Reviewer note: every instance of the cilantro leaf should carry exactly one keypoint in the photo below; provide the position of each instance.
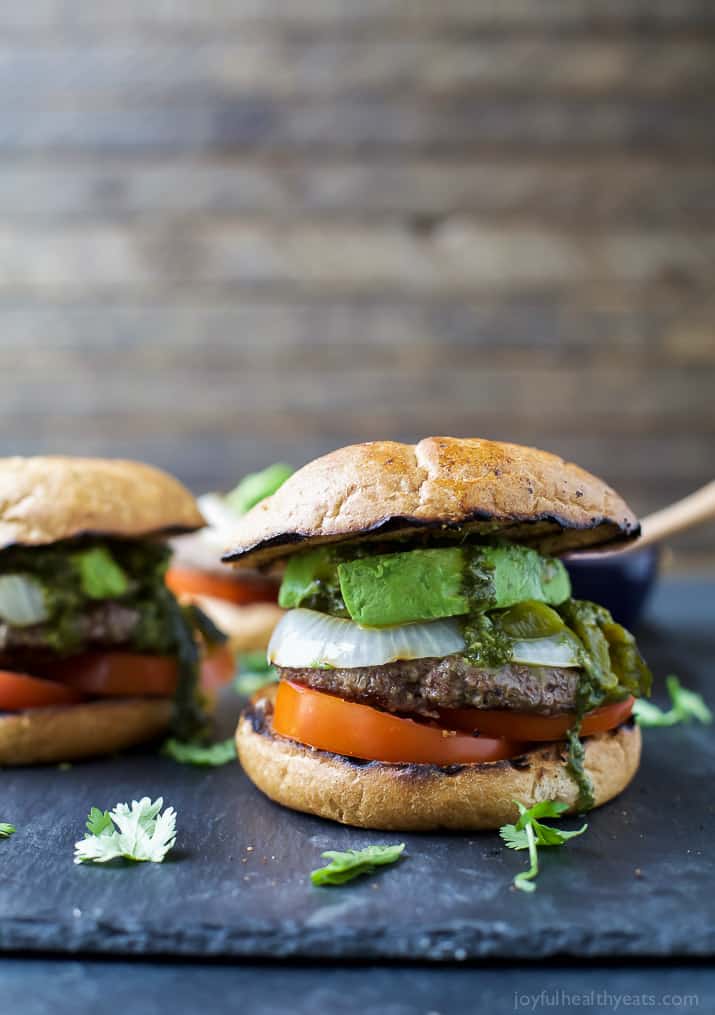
(530, 833)
(515, 838)
(140, 832)
(685, 706)
(354, 862)
(544, 809)
(99, 821)
(650, 715)
(191, 753)
(6, 830)
(548, 836)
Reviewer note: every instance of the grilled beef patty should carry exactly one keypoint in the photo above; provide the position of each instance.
(425, 685)
(108, 624)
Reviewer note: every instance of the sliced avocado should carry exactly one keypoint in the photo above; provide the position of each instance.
(311, 579)
(521, 574)
(396, 588)
(399, 588)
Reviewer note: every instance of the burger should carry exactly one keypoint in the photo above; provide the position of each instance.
(433, 665)
(96, 654)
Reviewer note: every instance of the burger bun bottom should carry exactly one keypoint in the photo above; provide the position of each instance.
(72, 732)
(419, 797)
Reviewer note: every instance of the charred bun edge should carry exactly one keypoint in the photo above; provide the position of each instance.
(604, 530)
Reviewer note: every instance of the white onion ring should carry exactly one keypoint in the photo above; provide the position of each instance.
(307, 639)
(22, 601)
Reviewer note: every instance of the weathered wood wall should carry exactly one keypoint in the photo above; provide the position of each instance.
(239, 230)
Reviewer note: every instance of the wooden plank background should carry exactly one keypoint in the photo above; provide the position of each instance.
(239, 230)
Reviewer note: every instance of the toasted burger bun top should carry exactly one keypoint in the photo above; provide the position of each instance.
(45, 499)
(385, 489)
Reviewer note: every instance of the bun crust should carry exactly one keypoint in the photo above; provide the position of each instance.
(51, 735)
(386, 489)
(425, 797)
(45, 499)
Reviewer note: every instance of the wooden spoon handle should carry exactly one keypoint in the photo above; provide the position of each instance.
(692, 510)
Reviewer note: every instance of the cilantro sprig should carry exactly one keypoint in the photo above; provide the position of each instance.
(529, 833)
(188, 752)
(354, 862)
(6, 830)
(140, 832)
(685, 706)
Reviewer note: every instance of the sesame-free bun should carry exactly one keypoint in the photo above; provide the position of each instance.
(72, 732)
(45, 499)
(412, 797)
(385, 490)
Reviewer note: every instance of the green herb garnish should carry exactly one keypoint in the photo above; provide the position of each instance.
(98, 821)
(6, 830)
(353, 863)
(685, 706)
(529, 833)
(192, 753)
(140, 832)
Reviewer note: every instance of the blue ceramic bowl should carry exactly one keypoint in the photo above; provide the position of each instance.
(621, 583)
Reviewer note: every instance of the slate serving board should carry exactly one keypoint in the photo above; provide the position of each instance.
(639, 883)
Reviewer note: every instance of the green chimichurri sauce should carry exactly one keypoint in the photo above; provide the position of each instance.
(611, 668)
(137, 568)
(478, 577)
(485, 642)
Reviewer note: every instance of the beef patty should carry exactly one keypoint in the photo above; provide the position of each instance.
(109, 624)
(425, 685)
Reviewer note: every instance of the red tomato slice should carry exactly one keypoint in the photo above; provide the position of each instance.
(119, 674)
(344, 727)
(186, 581)
(217, 668)
(19, 691)
(522, 726)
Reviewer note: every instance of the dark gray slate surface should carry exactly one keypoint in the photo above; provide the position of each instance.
(449, 899)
